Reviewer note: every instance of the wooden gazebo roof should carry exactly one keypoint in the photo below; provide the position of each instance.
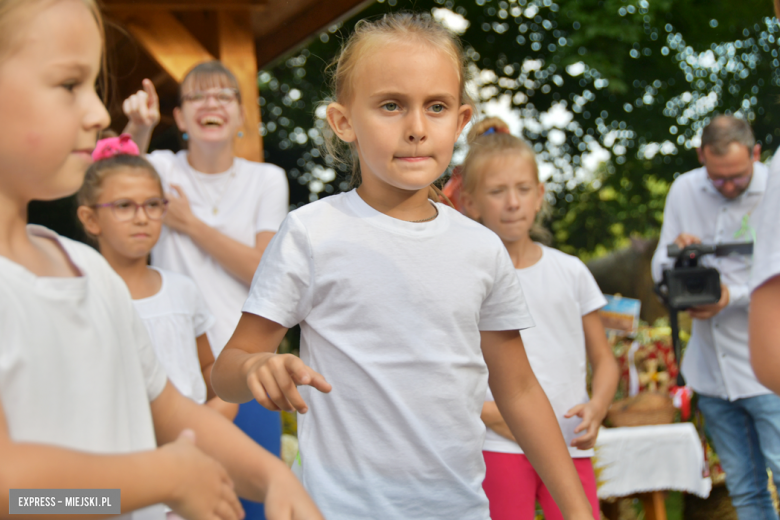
(163, 39)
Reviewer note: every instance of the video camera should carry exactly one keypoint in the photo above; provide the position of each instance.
(688, 284)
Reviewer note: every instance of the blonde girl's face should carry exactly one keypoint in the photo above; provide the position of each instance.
(507, 197)
(207, 114)
(404, 114)
(130, 239)
(51, 111)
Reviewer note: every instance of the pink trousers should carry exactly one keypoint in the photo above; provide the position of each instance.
(513, 487)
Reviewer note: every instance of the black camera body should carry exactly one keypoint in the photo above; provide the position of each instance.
(688, 284)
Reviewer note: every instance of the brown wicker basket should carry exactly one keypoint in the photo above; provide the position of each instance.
(644, 409)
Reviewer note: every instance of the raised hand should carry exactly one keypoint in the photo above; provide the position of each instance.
(143, 108)
(273, 380)
(204, 490)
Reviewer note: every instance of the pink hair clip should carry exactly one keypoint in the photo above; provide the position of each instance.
(113, 146)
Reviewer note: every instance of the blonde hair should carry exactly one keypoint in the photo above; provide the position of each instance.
(488, 139)
(370, 34)
(12, 11)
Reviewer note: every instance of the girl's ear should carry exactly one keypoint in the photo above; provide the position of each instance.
(469, 205)
(542, 191)
(340, 123)
(465, 112)
(88, 219)
(179, 118)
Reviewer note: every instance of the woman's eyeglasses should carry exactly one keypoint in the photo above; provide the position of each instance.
(223, 96)
(125, 209)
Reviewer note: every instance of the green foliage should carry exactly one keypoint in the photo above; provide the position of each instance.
(638, 78)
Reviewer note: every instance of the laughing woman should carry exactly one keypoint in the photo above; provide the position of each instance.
(222, 210)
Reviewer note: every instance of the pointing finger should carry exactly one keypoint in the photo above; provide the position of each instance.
(151, 92)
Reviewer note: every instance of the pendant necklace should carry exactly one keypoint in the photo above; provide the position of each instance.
(215, 203)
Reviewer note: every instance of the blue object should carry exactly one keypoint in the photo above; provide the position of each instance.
(746, 436)
(185, 136)
(265, 428)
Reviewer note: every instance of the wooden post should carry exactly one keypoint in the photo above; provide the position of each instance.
(237, 52)
(654, 505)
(171, 45)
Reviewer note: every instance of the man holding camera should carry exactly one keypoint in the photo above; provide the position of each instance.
(714, 205)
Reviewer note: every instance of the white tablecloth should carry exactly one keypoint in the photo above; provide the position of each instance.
(650, 458)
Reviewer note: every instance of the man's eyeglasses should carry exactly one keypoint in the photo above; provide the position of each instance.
(125, 209)
(739, 182)
(223, 96)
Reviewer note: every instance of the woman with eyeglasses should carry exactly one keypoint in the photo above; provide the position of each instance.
(222, 210)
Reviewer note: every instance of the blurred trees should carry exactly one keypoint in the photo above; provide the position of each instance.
(637, 78)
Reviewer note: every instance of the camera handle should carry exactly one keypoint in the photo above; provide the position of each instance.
(674, 323)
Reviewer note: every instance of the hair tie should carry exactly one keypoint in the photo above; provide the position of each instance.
(494, 130)
(113, 146)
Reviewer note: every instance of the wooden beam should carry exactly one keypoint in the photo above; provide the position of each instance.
(184, 5)
(237, 52)
(169, 43)
(296, 30)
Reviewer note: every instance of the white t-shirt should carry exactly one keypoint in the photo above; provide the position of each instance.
(77, 369)
(390, 315)
(560, 290)
(255, 200)
(766, 255)
(174, 317)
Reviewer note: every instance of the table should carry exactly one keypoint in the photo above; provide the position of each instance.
(648, 460)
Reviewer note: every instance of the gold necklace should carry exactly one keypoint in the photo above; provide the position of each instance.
(429, 218)
(204, 188)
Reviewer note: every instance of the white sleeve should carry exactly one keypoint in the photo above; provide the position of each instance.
(766, 256)
(153, 371)
(162, 160)
(671, 229)
(202, 319)
(281, 289)
(489, 394)
(505, 307)
(274, 200)
(589, 294)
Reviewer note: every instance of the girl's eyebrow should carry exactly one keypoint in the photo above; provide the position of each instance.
(72, 67)
(401, 95)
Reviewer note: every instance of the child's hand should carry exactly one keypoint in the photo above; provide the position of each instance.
(204, 490)
(143, 108)
(591, 421)
(179, 216)
(273, 381)
(285, 499)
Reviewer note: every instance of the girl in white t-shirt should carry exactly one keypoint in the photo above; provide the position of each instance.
(500, 188)
(83, 400)
(401, 302)
(121, 205)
